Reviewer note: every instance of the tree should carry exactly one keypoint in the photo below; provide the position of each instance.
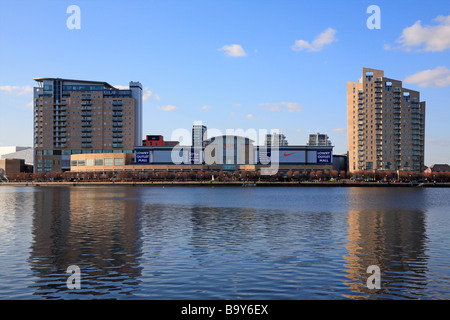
(289, 175)
(334, 174)
(244, 174)
(319, 174)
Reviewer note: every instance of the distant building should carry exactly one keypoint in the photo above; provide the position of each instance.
(438, 168)
(157, 140)
(198, 134)
(11, 149)
(275, 139)
(77, 116)
(24, 153)
(318, 139)
(9, 166)
(340, 162)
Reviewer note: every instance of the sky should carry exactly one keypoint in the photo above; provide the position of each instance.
(248, 64)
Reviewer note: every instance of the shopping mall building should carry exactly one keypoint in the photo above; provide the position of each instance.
(221, 153)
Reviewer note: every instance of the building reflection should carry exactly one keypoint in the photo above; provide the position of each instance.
(97, 229)
(395, 241)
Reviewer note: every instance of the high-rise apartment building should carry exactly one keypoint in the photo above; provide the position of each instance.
(276, 138)
(76, 116)
(198, 134)
(318, 139)
(386, 124)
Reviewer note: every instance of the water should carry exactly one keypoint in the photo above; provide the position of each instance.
(224, 242)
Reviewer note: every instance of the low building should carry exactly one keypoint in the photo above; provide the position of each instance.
(157, 140)
(438, 168)
(10, 166)
(222, 153)
(25, 153)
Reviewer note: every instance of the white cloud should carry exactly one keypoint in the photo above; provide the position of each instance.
(326, 37)
(146, 94)
(426, 38)
(232, 114)
(282, 106)
(298, 130)
(338, 130)
(438, 77)
(16, 90)
(167, 108)
(30, 104)
(207, 107)
(234, 50)
(249, 116)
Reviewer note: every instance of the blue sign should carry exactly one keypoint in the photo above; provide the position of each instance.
(323, 156)
(142, 156)
(196, 157)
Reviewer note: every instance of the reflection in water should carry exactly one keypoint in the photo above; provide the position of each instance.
(392, 239)
(224, 243)
(97, 231)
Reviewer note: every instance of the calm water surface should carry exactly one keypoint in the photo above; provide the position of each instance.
(224, 242)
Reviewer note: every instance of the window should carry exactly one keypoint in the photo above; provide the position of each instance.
(108, 162)
(81, 163)
(118, 161)
(98, 162)
(89, 162)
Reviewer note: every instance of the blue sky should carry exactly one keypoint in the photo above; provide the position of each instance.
(230, 64)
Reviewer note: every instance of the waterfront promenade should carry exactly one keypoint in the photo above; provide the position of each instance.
(234, 184)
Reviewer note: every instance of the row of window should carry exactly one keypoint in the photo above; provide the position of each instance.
(97, 162)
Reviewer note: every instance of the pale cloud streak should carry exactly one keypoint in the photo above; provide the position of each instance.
(234, 50)
(167, 108)
(282, 106)
(323, 39)
(437, 77)
(16, 90)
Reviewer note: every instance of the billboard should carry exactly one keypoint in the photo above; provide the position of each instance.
(292, 156)
(324, 156)
(142, 156)
(285, 156)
